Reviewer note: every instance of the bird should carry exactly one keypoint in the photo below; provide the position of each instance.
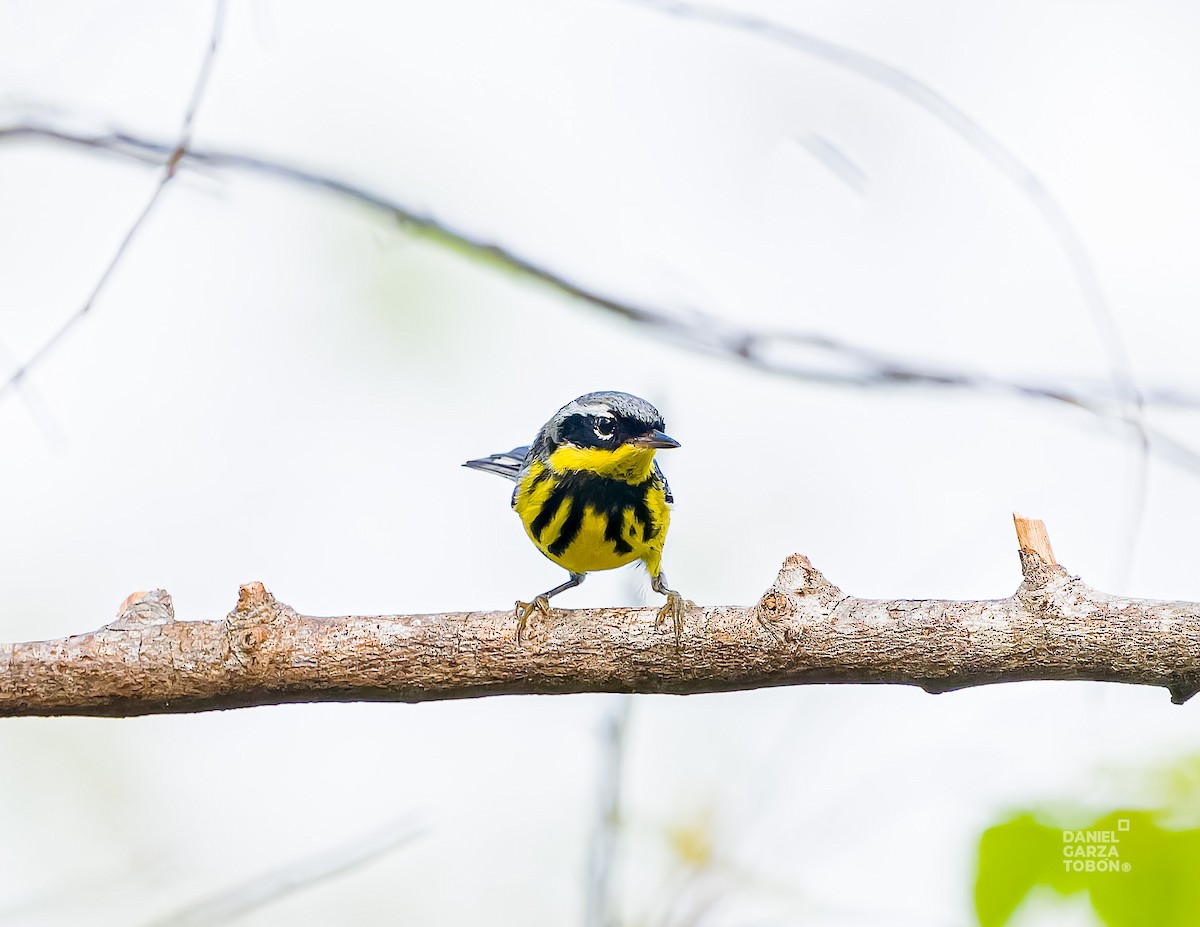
(591, 495)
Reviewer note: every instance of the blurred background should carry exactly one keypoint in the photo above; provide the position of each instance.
(279, 384)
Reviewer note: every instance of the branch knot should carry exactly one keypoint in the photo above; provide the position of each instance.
(797, 581)
(250, 624)
(799, 577)
(1044, 583)
(255, 605)
(142, 609)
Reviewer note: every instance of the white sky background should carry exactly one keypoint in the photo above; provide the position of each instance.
(279, 386)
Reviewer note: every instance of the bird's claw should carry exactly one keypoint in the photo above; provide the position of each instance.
(525, 609)
(674, 610)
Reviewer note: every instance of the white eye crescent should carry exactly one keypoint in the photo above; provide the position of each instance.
(604, 427)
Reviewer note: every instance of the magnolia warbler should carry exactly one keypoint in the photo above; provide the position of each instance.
(591, 496)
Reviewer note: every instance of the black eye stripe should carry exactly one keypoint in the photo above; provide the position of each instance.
(599, 430)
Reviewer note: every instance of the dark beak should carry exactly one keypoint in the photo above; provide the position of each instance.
(654, 439)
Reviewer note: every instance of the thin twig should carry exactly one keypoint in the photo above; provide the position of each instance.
(168, 174)
(37, 408)
(771, 351)
(268, 887)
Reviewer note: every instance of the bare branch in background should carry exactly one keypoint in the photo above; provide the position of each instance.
(803, 631)
(169, 168)
(267, 887)
(806, 356)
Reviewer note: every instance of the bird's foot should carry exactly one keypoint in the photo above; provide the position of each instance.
(673, 609)
(541, 605)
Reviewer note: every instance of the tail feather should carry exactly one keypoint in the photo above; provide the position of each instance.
(507, 465)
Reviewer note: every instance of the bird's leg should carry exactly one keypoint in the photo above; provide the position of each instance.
(541, 603)
(673, 609)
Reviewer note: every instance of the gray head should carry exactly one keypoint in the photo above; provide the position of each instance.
(605, 421)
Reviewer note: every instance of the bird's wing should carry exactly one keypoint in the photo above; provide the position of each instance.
(666, 485)
(507, 465)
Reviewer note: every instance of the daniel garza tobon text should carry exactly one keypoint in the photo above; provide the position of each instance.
(1094, 850)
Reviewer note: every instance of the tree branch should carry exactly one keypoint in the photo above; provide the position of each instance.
(779, 352)
(804, 630)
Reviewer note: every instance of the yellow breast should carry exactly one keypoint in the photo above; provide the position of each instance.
(584, 521)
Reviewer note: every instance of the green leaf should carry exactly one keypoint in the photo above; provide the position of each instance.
(1138, 867)
(1014, 856)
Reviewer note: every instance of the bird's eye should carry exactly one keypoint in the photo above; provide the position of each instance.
(605, 427)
